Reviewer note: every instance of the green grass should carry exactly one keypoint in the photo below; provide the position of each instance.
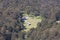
(33, 20)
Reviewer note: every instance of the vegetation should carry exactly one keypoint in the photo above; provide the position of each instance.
(33, 20)
(11, 25)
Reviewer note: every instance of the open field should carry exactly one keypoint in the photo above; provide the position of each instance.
(33, 20)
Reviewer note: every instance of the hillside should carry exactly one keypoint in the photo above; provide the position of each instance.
(11, 24)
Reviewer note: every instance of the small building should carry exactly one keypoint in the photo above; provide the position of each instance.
(28, 23)
(57, 21)
(24, 18)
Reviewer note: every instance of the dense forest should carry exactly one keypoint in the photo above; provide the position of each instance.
(11, 25)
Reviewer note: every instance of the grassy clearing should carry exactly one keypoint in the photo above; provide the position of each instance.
(33, 20)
